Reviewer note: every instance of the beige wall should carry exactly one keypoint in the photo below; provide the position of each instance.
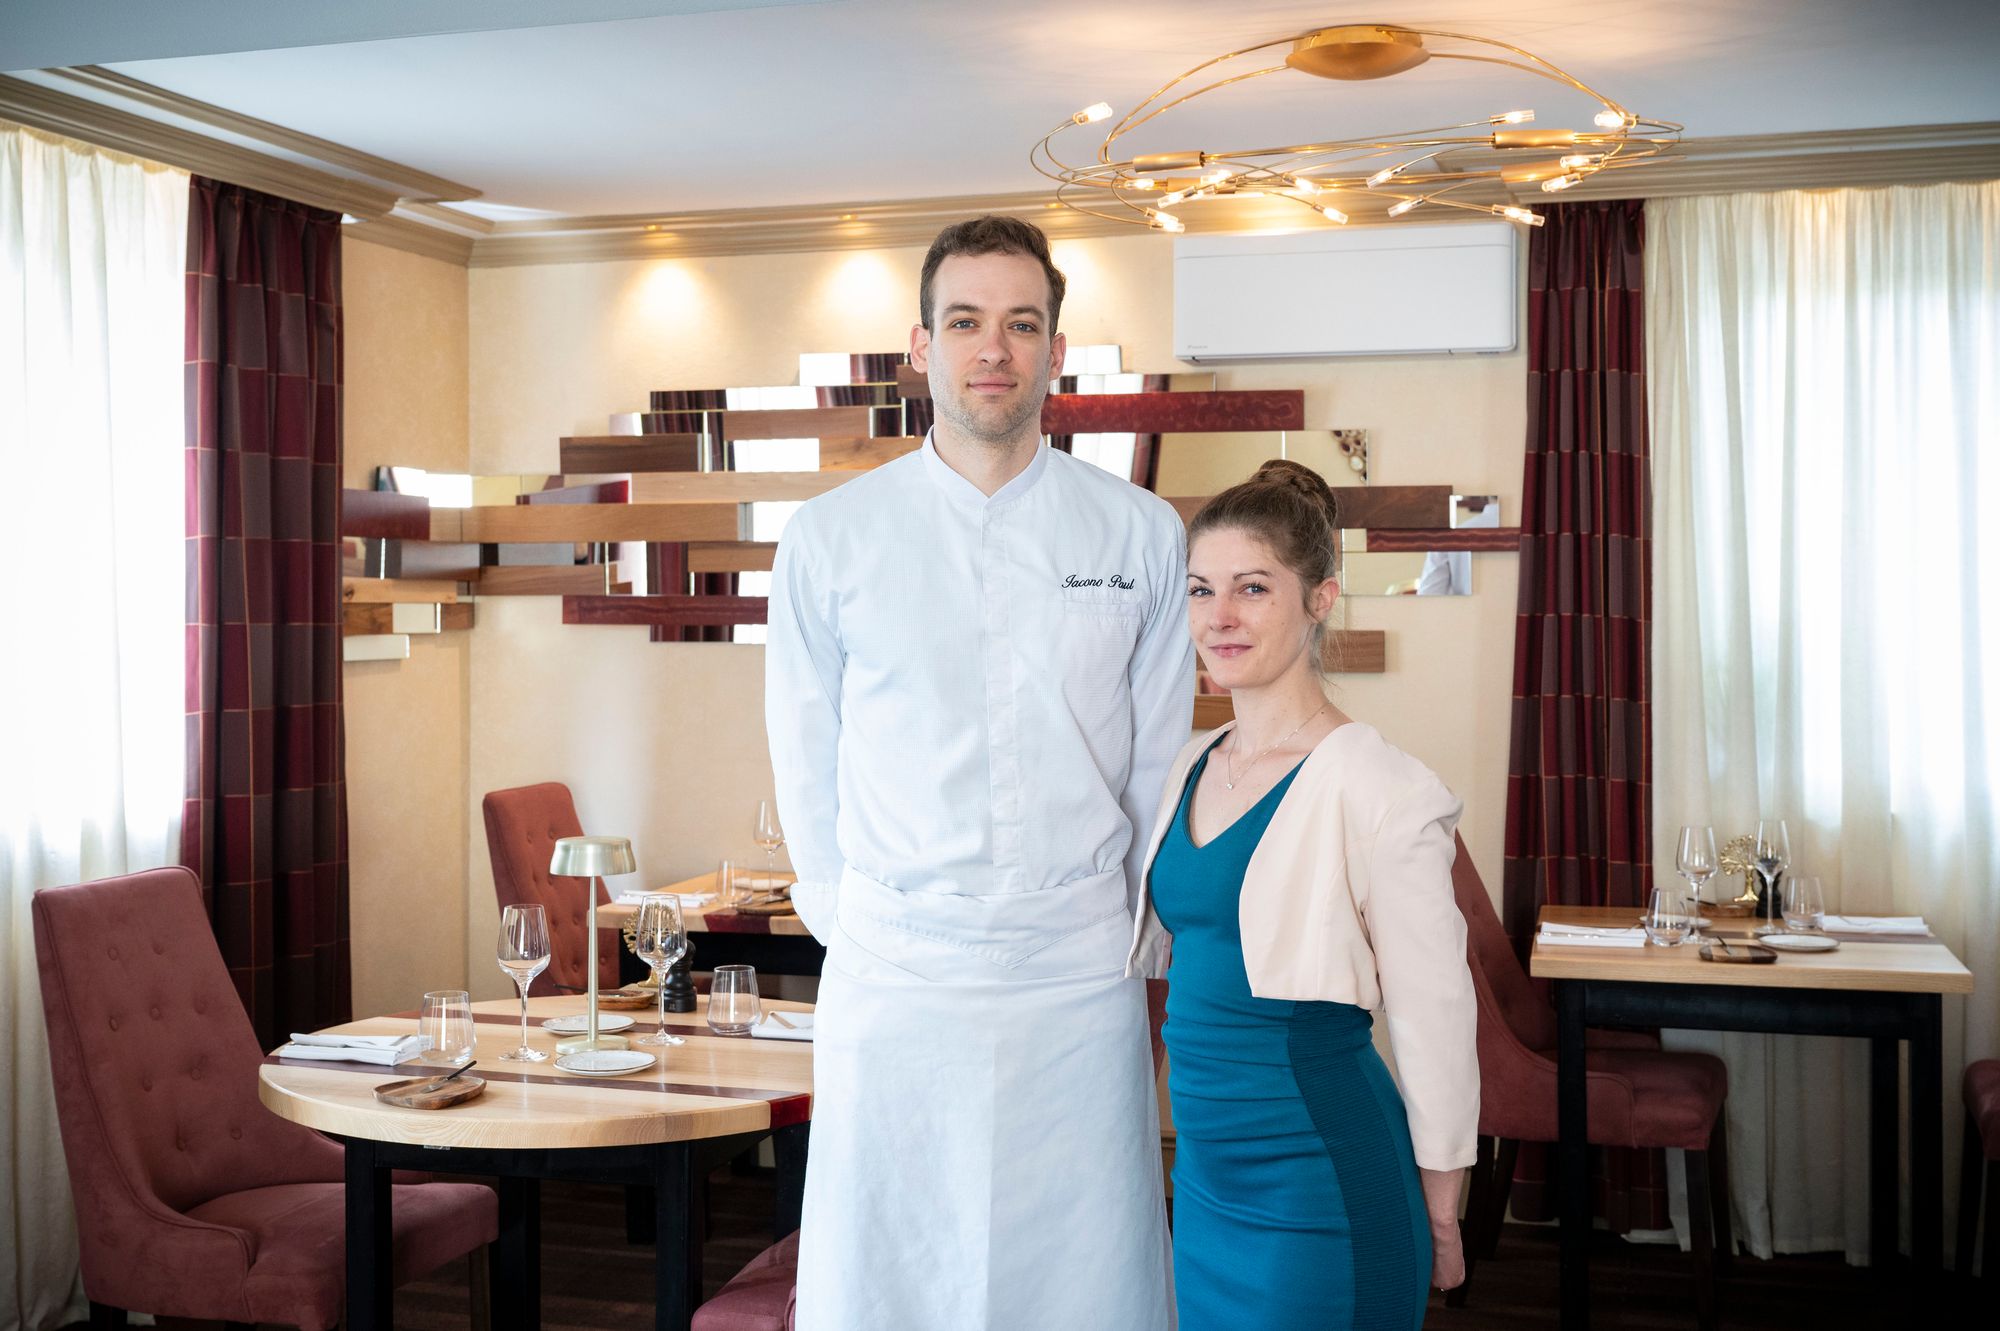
(406, 404)
(486, 371)
(555, 349)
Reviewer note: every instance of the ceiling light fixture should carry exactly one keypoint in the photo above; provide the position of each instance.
(1450, 159)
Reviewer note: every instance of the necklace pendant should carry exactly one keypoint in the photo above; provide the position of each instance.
(1229, 785)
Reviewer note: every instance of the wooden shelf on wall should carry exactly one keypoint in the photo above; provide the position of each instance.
(392, 591)
(597, 454)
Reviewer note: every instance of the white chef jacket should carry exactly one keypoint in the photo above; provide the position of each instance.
(973, 701)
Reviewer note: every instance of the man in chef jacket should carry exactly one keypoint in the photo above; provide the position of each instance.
(978, 672)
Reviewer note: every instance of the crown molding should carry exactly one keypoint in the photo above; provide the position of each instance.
(400, 233)
(55, 112)
(408, 182)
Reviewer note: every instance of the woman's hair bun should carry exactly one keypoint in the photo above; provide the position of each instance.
(1296, 477)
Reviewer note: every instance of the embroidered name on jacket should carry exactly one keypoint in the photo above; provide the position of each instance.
(1118, 580)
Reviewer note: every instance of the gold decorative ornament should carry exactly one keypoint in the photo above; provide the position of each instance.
(1739, 856)
(1412, 167)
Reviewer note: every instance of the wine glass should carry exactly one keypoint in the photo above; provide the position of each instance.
(1668, 921)
(1696, 862)
(523, 952)
(660, 939)
(1772, 856)
(728, 886)
(770, 835)
(1805, 905)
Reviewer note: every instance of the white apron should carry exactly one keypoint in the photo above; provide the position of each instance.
(985, 1141)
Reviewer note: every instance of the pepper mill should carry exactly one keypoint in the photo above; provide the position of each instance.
(678, 987)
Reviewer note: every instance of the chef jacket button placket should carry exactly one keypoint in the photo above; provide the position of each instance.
(1002, 717)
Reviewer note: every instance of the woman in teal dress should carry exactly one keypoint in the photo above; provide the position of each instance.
(1299, 878)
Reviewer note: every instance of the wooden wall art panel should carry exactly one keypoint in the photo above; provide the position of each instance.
(600, 522)
(384, 515)
(1498, 540)
(1173, 413)
(806, 423)
(664, 611)
(600, 454)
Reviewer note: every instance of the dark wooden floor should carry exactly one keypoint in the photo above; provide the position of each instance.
(592, 1280)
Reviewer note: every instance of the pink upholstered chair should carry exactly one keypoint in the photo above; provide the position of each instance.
(522, 827)
(1638, 1094)
(192, 1199)
(1982, 1156)
(763, 1296)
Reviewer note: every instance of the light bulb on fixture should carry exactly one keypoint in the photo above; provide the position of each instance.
(1521, 215)
(1169, 200)
(1091, 114)
(1145, 183)
(1333, 214)
(1511, 118)
(1218, 176)
(1398, 209)
(1576, 161)
(1384, 176)
(1608, 119)
(1556, 184)
(1168, 222)
(1303, 186)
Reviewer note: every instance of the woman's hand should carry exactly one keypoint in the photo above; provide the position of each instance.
(1447, 1257)
(1441, 1189)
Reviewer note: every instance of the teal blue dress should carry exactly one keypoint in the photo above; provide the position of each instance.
(1296, 1200)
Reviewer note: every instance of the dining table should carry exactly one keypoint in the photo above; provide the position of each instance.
(1885, 988)
(776, 943)
(699, 1105)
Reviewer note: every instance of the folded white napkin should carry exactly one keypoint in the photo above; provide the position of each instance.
(1582, 935)
(687, 898)
(769, 1029)
(1874, 924)
(386, 1050)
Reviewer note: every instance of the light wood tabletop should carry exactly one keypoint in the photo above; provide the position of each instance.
(1866, 962)
(711, 1086)
(711, 918)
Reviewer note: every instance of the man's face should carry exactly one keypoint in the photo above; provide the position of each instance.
(991, 355)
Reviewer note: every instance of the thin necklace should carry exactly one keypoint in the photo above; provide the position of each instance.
(1230, 778)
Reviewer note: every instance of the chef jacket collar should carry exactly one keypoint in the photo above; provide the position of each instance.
(966, 494)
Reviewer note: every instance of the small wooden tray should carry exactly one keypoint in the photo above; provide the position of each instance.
(430, 1092)
(1726, 910)
(1742, 954)
(625, 1000)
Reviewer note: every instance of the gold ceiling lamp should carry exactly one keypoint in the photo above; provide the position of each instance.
(1414, 167)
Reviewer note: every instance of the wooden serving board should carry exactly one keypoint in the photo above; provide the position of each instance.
(768, 908)
(619, 1000)
(429, 1092)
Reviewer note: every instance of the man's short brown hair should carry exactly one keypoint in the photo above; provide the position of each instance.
(992, 234)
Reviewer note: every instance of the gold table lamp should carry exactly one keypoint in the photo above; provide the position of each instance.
(592, 857)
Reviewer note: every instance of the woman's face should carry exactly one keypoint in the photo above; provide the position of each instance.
(1247, 612)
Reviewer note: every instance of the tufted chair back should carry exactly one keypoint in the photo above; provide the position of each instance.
(155, 1064)
(522, 828)
(1495, 966)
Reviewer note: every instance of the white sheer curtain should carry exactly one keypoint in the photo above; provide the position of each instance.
(1824, 371)
(92, 271)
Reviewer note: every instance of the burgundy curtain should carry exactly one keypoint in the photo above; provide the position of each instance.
(1579, 775)
(1579, 771)
(265, 822)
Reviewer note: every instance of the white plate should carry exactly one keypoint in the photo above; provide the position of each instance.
(605, 1062)
(761, 883)
(578, 1025)
(1798, 942)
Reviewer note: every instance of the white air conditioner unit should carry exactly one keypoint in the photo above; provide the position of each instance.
(1355, 291)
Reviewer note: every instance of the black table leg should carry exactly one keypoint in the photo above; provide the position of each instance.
(1884, 1113)
(370, 1234)
(517, 1263)
(1927, 1141)
(788, 1146)
(1573, 1154)
(673, 1299)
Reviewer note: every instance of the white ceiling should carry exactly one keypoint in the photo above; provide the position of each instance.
(722, 104)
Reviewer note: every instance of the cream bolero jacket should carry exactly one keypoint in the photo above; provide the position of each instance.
(1348, 899)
